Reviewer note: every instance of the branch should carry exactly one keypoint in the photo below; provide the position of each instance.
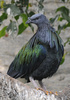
(11, 89)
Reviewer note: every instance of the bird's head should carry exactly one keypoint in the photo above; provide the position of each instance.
(37, 19)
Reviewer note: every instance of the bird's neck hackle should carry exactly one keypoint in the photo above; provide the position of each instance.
(43, 26)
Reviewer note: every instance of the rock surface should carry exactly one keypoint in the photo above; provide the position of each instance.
(11, 89)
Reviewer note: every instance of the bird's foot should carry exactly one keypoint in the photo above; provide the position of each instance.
(56, 93)
(50, 92)
(47, 92)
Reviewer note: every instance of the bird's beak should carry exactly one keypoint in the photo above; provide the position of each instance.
(28, 21)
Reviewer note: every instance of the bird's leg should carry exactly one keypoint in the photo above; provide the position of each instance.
(34, 83)
(43, 87)
(36, 86)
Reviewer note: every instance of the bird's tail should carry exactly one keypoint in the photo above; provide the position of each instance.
(13, 73)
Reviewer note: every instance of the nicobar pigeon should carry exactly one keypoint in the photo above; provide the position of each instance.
(41, 56)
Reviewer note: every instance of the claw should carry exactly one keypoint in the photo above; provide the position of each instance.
(40, 89)
(51, 92)
(47, 92)
(56, 93)
(37, 89)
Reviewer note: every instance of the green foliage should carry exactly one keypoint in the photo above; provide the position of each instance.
(16, 10)
(21, 29)
(64, 14)
(68, 41)
(63, 59)
(52, 20)
(3, 17)
(24, 18)
(64, 0)
(12, 27)
(23, 25)
(1, 3)
(2, 32)
(40, 5)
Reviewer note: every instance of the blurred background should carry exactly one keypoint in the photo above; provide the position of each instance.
(14, 33)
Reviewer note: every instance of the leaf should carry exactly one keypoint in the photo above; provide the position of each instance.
(66, 17)
(24, 2)
(6, 6)
(63, 59)
(60, 18)
(66, 25)
(63, 0)
(31, 13)
(2, 2)
(64, 12)
(12, 27)
(68, 41)
(30, 5)
(24, 18)
(63, 9)
(40, 5)
(3, 17)
(17, 17)
(14, 9)
(53, 19)
(2, 32)
(23, 25)
(12, 1)
(21, 28)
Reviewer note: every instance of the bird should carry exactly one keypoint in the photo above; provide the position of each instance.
(41, 56)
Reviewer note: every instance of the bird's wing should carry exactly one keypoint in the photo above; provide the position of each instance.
(56, 39)
(28, 59)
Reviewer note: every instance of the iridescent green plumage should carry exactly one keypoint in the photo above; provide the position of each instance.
(27, 57)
